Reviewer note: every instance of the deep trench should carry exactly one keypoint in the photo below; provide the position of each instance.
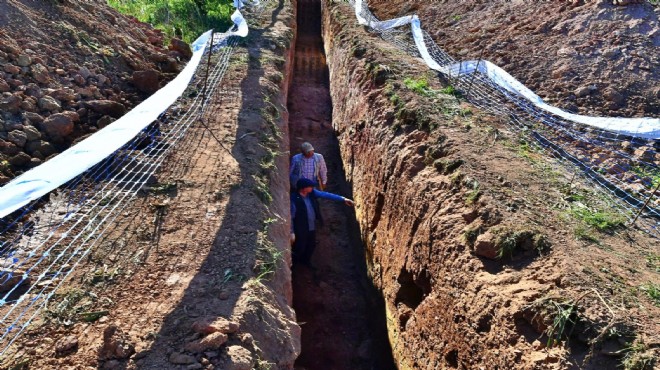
(341, 313)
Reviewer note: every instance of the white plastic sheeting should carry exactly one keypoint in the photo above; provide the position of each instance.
(648, 128)
(67, 165)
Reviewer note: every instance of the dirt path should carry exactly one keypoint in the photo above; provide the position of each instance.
(334, 305)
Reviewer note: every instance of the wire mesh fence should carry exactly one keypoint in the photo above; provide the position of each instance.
(42, 243)
(623, 166)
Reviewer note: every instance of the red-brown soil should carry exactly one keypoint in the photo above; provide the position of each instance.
(585, 56)
(56, 57)
(343, 325)
(439, 185)
(178, 265)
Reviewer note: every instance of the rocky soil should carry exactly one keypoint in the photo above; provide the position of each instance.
(470, 236)
(195, 277)
(586, 56)
(68, 69)
(469, 232)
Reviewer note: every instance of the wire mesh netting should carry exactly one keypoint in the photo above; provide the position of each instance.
(42, 243)
(624, 167)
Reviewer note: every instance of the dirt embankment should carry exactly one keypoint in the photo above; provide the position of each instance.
(585, 56)
(442, 189)
(197, 276)
(68, 69)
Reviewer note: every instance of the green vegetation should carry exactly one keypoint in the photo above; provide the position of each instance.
(559, 316)
(652, 291)
(600, 220)
(565, 314)
(473, 196)
(636, 357)
(262, 189)
(653, 262)
(163, 188)
(583, 233)
(447, 166)
(470, 235)
(70, 306)
(420, 86)
(508, 240)
(451, 90)
(268, 254)
(650, 176)
(185, 19)
(506, 244)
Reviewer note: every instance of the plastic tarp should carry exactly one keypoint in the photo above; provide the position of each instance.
(72, 162)
(648, 128)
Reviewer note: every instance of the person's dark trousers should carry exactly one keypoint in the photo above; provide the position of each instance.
(303, 248)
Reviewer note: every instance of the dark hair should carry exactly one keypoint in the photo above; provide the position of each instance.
(304, 183)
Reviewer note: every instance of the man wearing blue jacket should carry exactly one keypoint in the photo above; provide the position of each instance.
(305, 217)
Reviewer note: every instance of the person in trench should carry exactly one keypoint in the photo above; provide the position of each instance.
(308, 165)
(306, 218)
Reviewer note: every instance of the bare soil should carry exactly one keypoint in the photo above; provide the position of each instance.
(586, 56)
(439, 185)
(340, 313)
(196, 276)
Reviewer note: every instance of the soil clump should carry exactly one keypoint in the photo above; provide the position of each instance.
(471, 232)
(68, 69)
(587, 56)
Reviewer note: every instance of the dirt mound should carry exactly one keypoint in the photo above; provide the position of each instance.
(193, 274)
(68, 69)
(474, 239)
(587, 57)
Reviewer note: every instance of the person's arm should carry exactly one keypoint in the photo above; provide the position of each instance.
(331, 196)
(323, 170)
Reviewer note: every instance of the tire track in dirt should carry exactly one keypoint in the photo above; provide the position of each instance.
(340, 314)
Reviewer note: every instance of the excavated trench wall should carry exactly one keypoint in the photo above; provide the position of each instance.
(444, 309)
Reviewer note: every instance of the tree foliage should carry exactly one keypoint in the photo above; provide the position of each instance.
(185, 19)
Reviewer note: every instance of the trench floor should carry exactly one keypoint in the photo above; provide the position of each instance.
(341, 314)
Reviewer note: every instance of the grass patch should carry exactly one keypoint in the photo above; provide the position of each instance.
(470, 235)
(268, 255)
(636, 357)
(451, 90)
(420, 86)
(600, 220)
(508, 240)
(583, 233)
(557, 316)
(447, 166)
(650, 177)
(261, 188)
(186, 19)
(653, 262)
(163, 188)
(652, 290)
(565, 316)
(70, 307)
(473, 196)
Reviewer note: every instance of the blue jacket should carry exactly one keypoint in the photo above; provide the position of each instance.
(299, 221)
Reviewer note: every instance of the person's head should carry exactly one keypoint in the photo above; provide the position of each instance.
(305, 186)
(307, 149)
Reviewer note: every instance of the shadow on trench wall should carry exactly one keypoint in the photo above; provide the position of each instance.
(341, 312)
